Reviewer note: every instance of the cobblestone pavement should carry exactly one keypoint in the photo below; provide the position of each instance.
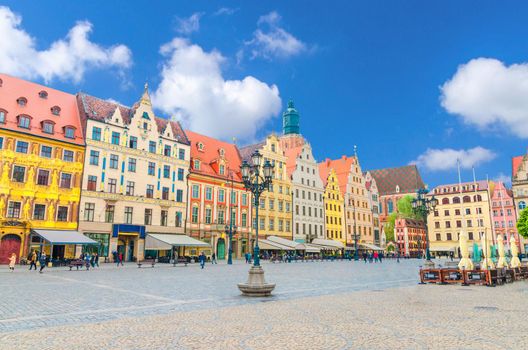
(331, 305)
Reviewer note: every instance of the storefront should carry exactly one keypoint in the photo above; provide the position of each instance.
(59, 245)
(176, 245)
(128, 240)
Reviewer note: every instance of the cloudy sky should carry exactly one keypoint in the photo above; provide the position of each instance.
(406, 81)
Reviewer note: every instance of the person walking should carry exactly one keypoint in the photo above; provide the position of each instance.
(120, 259)
(12, 262)
(201, 258)
(92, 260)
(380, 257)
(246, 256)
(213, 258)
(43, 261)
(376, 255)
(96, 259)
(33, 260)
(365, 256)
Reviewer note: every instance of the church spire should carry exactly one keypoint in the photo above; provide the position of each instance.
(290, 120)
(145, 98)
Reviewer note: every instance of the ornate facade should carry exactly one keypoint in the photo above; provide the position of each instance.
(374, 199)
(503, 214)
(135, 175)
(334, 205)
(41, 157)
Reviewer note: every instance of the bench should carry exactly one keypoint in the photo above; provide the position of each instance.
(179, 261)
(152, 262)
(78, 263)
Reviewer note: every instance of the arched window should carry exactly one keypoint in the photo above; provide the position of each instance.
(43, 94)
(445, 201)
(477, 198)
(22, 101)
(456, 200)
(466, 199)
(390, 206)
(3, 114)
(69, 132)
(522, 205)
(55, 110)
(24, 121)
(47, 126)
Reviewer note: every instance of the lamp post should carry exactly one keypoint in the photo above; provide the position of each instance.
(256, 181)
(229, 229)
(422, 206)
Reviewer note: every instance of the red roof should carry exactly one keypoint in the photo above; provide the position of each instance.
(407, 178)
(516, 163)
(39, 109)
(209, 156)
(341, 167)
(291, 158)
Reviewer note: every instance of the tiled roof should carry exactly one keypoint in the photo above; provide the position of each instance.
(247, 151)
(291, 158)
(39, 109)
(210, 154)
(341, 167)
(404, 222)
(407, 178)
(516, 163)
(94, 108)
(481, 186)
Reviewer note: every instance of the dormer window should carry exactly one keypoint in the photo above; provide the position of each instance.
(69, 132)
(221, 169)
(22, 101)
(2, 116)
(222, 152)
(43, 94)
(55, 110)
(200, 146)
(47, 127)
(196, 164)
(1, 82)
(23, 121)
(145, 116)
(273, 147)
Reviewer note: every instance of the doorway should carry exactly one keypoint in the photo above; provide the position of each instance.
(8, 245)
(220, 249)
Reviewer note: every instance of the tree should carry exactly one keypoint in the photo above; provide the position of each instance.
(522, 223)
(389, 227)
(404, 210)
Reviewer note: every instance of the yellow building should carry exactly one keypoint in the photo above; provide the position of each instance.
(333, 202)
(275, 215)
(41, 157)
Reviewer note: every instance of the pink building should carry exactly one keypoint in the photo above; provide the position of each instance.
(503, 213)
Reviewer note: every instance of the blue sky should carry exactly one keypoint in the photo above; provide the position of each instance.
(369, 73)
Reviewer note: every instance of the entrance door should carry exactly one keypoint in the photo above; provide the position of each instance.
(220, 249)
(8, 245)
(130, 250)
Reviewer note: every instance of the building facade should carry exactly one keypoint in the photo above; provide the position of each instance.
(503, 214)
(217, 199)
(135, 175)
(275, 205)
(334, 205)
(41, 157)
(410, 237)
(374, 202)
(460, 207)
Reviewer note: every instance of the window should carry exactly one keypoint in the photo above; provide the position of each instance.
(459, 223)
(181, 154)
(167, 150)
(179, 196)
(208, 215)
(448, 224)
(165, 193)
(445, 201)
(164, 217)
(196, 164)
(115, 138)
(42, 177)
(67, 156)
(47, 127)
(390, 206)
(69, 132)
(22, 147)
(166, 171)
(468, 211)
(92, 183)
(151, 169)
(150, 191)
(94, 157)
(178, 219)
(39, 210)
(262, 223)
(89, 210)
(62, 213)
(96, 133)
(262, 203)
(45, 151)
(437, 224)
(221, 195)
(271, 224)
(109, 213)
(19, 173)
(221, 217)
(148, 216)
(1, 142)
(244, 199)
(128, 215)
(114, 160)
(194, 215)
(2, 116)
(233, 197)
(522, 205)
(287, 207)
(152, 146)
(13, 210)
(448, 236)
(130, 188)
(470, 236)
(112, 185)
(23, 121)
(457, 211)
(65, 180)
(132, 143)
(132, 165)
(222, 169)
(244, 219)
(446, 212)
(281, 205)
(180, 174)
(195, 191)
(43, 94)
(21, 101)
(271, 204)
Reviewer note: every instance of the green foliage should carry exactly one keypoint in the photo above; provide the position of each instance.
(405, 210)
(389, 227)
(522, 223)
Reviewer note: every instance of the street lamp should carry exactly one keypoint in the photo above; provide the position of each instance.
(229, 229)
(422, 206)
(256, 181)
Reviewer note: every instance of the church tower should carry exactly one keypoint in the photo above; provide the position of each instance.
(290, 120)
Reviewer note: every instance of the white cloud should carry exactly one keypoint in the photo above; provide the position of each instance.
(65, 59)
(193, 90)
(227, 11)
(501, 177)
(271, 41)
(488, 94)
(446, 159)
(190, 24)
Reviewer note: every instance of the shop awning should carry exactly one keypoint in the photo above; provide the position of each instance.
(164, 241)
(328, 243)
(442, 249)
(370, 246)
(287, 242)
(265, 244)
(310, 248)
(63, 237)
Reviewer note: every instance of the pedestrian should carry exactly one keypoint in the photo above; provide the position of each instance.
(43, 261)
(12, 262)
(120, 259)
(201, 258)
(87, 261)
(33, 260)
(96, 259)
(213, 258)
(380, 256)
(365, 256)
(247, 258)
(92, 260)
(451, 255)
(376, 255)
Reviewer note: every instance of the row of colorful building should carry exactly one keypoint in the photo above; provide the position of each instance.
(78, 167)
